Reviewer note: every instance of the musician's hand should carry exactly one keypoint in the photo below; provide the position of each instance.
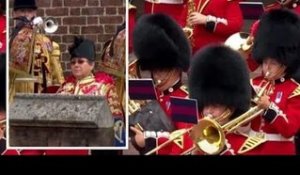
(139, 137)
(264, 102)
(197, 18)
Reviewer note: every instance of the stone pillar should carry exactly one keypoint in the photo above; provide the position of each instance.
(55, 120)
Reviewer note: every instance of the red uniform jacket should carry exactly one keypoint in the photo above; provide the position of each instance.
(222, 9)
(132, 16)
(164, 99)
(282, 128)
(173, 8)
(2, 33)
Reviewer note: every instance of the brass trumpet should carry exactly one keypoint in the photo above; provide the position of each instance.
(134, 105)
(49, 25)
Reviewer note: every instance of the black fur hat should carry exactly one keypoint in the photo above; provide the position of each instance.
(3, 6)
(19, 4)
(83, 48)
(278, 37)
(219, 75)
(159, 43)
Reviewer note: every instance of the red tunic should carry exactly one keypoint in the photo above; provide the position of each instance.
(164, 100)
(131, 24)
(226, 9)
(276, 5)
(173, 8)
(285, 125)
(2, 34)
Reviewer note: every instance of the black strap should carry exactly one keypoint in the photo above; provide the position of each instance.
(44, 85)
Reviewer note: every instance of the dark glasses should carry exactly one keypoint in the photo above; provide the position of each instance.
(80, 61)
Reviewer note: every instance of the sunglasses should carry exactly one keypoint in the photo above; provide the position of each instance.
(80, 61)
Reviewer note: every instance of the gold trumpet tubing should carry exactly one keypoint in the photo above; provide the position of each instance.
(223, 116)
(168, 142)
(247, 116)
(241, 120)
(261, 92)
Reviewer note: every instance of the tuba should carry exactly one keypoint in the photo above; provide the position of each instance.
(188, 29)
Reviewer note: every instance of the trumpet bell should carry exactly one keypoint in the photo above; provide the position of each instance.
(208, 136)
(50, 25)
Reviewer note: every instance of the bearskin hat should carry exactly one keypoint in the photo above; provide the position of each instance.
(159, 43)
(219, 75)
(19, 4)
(83, 48)
(278, 37)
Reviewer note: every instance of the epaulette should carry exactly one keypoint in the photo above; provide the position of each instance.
(296, 92)
(184, 88)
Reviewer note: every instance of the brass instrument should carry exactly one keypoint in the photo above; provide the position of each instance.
(134, 105)
(177, 134)
(21, 73)
(49, 25)
(209, 134)
(188, 29)
(241, 42)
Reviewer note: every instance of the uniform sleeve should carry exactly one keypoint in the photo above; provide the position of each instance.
(233, 17)
(114, 101)
(287, 122)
